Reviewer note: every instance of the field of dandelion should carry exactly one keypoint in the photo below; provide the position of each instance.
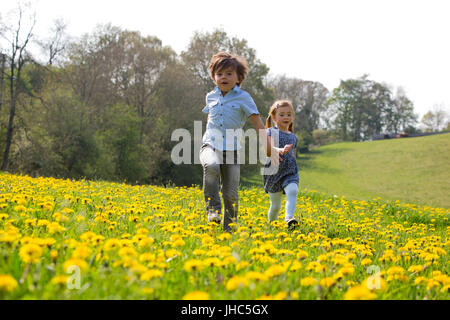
(63, 239)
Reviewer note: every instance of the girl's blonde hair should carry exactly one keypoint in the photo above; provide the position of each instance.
(273, 112)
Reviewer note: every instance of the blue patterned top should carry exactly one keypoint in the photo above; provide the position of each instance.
(275, 180)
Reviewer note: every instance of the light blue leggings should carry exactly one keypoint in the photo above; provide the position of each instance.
(291, 200)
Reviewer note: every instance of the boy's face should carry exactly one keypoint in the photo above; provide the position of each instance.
(226, 79)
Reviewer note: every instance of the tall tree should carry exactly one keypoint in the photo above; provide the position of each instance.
(18, 56)
(401, 116)
(308, 98)
(55, 45)
(435, 119)
(360, 107)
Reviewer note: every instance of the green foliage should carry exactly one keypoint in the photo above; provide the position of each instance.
(109, 111)
(363, 108)
(305, 139)
(321, 137)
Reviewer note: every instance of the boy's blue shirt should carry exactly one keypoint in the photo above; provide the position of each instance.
(227, 112)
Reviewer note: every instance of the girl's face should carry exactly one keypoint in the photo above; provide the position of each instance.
(283, 117)
(226, 79)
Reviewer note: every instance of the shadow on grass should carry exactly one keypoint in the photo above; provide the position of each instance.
(306, 160)
(251, 177)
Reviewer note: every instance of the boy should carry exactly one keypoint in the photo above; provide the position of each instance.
(228, 107)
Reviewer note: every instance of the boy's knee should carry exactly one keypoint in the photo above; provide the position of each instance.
(230, 196)
(211, 169)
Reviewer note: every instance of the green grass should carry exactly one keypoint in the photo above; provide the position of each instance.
(411, 170)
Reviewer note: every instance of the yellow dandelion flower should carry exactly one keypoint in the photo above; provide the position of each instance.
(236, 282)
(74, 262)
(431, 283)
(275, 270)
(415, 268)
(199, 252)
(81, 252)
(327, 282)
(301, 254)
(229, 260)
(242, 265)
(30, 253)
(127, 252)
(150, 274)
(445, 288)
(7, 283)
(54, 254)
(59, 280)
(178, 243)
(197, 295)
(265, 297)
(224, 236)
(212, 262)
(253, 275)
(280, 296)
(111, 244)
(419, 280)
(193, 265)
(308, 281)
(147, 290)
(359, 293)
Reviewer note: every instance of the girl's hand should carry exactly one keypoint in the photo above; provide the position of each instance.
(275, 156)
(287, 148)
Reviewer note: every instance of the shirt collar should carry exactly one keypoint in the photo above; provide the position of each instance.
(236, 89)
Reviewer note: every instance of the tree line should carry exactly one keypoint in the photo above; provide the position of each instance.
(104, 106)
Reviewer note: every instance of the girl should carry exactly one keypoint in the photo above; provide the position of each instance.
(283, 179)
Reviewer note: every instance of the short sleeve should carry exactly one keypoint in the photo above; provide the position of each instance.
(296, 141)
(249, 106)
(269, 132)
(206, 109)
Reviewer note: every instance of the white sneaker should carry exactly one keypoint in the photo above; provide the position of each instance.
(292, 223)
(213, 217)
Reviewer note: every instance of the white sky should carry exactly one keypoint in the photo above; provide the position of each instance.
(398, 42)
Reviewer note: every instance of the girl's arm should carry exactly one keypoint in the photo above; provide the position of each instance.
(257, 123)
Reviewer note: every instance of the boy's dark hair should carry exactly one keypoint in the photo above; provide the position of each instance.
(223, 60)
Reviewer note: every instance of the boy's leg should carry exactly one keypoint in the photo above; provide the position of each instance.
(291, 191)
(211, 161)
(230, 174)
(275, 205)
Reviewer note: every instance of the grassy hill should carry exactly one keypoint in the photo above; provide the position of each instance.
(413, 170)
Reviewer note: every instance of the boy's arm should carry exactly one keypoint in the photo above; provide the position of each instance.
(257, 123)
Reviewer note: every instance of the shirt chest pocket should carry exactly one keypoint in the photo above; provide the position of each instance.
(235, 112)
(214, 110)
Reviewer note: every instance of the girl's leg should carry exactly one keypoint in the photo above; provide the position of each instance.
(275, 205)
(291, 191)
